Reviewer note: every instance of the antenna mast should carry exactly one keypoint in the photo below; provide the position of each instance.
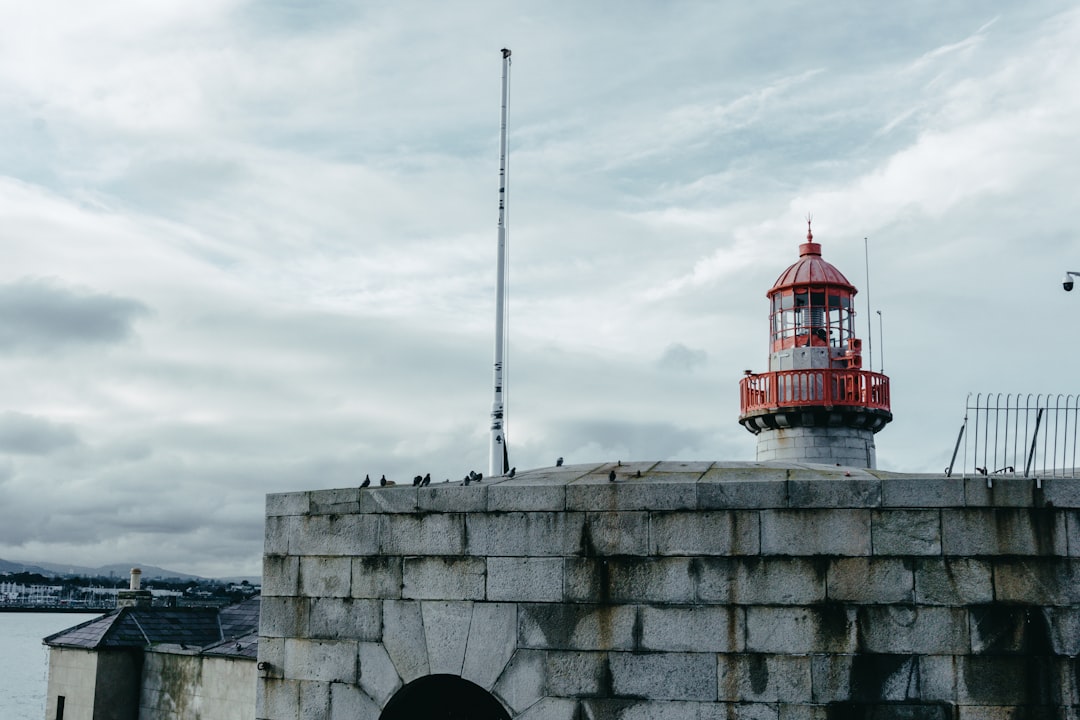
(499, 457)
(869, 320)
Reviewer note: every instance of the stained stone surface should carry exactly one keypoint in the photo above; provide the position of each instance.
(680, 591)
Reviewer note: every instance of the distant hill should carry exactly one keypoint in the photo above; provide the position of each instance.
(7, 566)
(117, 570)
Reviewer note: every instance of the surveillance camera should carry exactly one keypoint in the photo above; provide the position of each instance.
(1067, 283)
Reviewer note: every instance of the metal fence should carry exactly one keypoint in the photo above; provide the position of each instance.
(1017, 435)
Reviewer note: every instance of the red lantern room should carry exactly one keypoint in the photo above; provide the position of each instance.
(816, 403)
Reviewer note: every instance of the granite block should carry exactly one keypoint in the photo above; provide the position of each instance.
(349, 702)
(827, 628)
(953, 581)
(344, 618)
(325, 576)
(335, 535)
(446, 630)
(615, 533)
(664, 676)
(704, 533)
(492, 642)
(517, 534)
(764, 678)
(871, 580)
(577, 626)
(691, 629)
(523, 579)
(769, 580)
(905, 491)
(906, 532)
(422, 534)
(443, 578)
(403, 638)
(902, 630)
(321, 660)
(815, 532)
(1003, 531)
(378, 677)
(670, 580)
(377, 576)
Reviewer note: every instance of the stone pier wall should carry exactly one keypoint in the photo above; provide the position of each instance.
(697, 591)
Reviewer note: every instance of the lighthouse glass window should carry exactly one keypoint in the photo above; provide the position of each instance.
(814, 316)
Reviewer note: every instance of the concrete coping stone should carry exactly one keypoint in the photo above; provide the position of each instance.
(690, 485)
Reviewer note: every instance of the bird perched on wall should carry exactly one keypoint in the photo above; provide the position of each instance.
(383, 481)
(611, 476)
(558, 462)
(426, 481)
(417, 480)
(367, 481)
(467, 480)
(513, 471)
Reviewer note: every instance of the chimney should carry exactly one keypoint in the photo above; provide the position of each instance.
(134, 596)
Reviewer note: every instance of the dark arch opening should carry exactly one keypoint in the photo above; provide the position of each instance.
(443, 697)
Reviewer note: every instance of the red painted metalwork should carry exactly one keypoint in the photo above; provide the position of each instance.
(824, 387)
(812, 304)
(811, 269)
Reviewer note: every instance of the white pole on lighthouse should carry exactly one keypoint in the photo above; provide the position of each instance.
(498, 459)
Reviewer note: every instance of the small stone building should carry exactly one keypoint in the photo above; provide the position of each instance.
(678, 591)
(156, 663)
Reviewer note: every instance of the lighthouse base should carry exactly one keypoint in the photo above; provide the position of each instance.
(827, 445)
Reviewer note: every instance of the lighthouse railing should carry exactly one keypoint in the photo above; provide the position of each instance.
(827, 387)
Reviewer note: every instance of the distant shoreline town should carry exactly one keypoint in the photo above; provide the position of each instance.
(33, 592)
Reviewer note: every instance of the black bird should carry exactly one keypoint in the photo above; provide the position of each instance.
(426, 481)
(611, 476)
(513, 471)
(479, 477)
(417, 480)
(367, 481)
(472, 474)
(382, 480)
(558, 463)
(467, 480)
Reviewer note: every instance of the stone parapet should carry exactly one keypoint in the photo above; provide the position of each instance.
(680, 590)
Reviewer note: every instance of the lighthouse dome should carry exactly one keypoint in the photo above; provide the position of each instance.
(811, 269)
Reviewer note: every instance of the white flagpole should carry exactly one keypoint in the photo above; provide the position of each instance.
(497, 465)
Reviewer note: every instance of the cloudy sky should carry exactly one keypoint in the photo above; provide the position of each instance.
(249, 247)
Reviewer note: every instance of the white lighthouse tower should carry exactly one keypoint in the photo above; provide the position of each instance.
(816, 403)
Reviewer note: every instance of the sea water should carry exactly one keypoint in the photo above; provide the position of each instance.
(24, 661)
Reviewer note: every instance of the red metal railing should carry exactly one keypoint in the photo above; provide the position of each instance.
(803, 388)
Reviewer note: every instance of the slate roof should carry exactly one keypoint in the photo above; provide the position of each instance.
(246, 647)
(204, 629)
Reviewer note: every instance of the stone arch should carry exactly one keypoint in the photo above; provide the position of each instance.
(446, 697)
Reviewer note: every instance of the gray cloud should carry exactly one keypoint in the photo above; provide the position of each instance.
(680, 358)
(43, 315)
(310, 214)
(28, 435)
(635, 440)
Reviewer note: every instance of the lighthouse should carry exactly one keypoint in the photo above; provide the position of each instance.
(816, 403)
